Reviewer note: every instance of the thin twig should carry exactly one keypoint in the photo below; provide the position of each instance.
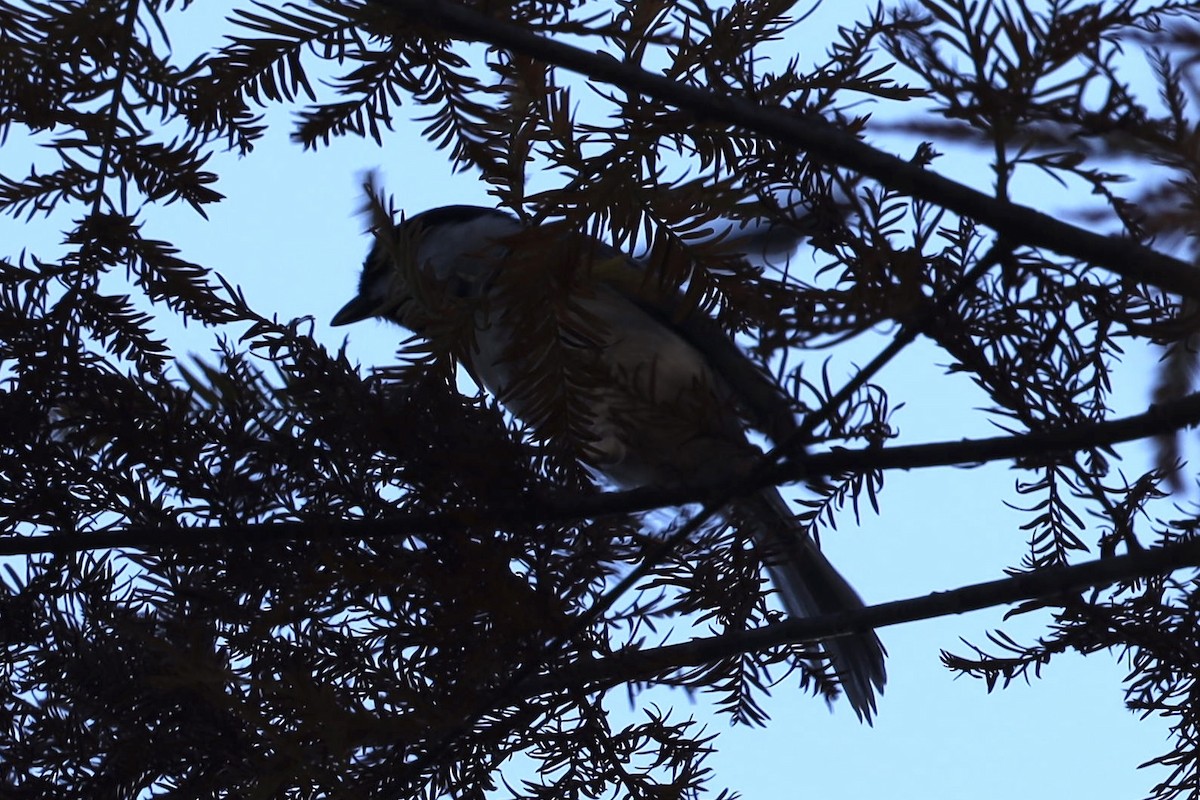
(114, 108)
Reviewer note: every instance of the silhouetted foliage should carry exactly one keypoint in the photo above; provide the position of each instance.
(338, 586)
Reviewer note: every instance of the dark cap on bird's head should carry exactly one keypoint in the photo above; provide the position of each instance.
(437, 242)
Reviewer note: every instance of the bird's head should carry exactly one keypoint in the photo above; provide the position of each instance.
(440, 254)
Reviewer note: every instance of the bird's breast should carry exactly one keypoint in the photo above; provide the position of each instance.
(642, 404)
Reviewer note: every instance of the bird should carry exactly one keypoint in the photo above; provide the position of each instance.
(656, 393)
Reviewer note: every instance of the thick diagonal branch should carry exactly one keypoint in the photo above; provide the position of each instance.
(815, 135)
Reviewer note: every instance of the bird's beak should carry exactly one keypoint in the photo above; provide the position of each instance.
(356, 310)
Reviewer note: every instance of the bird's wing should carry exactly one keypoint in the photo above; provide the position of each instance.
(768, 407)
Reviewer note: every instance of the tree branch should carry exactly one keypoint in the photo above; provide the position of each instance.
(1042, 446)
(817, 136)
(633, 664)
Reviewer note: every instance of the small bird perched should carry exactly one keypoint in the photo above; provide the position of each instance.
(657, 394)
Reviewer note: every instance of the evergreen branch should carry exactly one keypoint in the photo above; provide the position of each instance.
(824, 140)
(1041, 446)
(112, 114)
(596, 674)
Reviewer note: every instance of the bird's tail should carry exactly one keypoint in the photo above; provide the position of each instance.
(810, 586)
